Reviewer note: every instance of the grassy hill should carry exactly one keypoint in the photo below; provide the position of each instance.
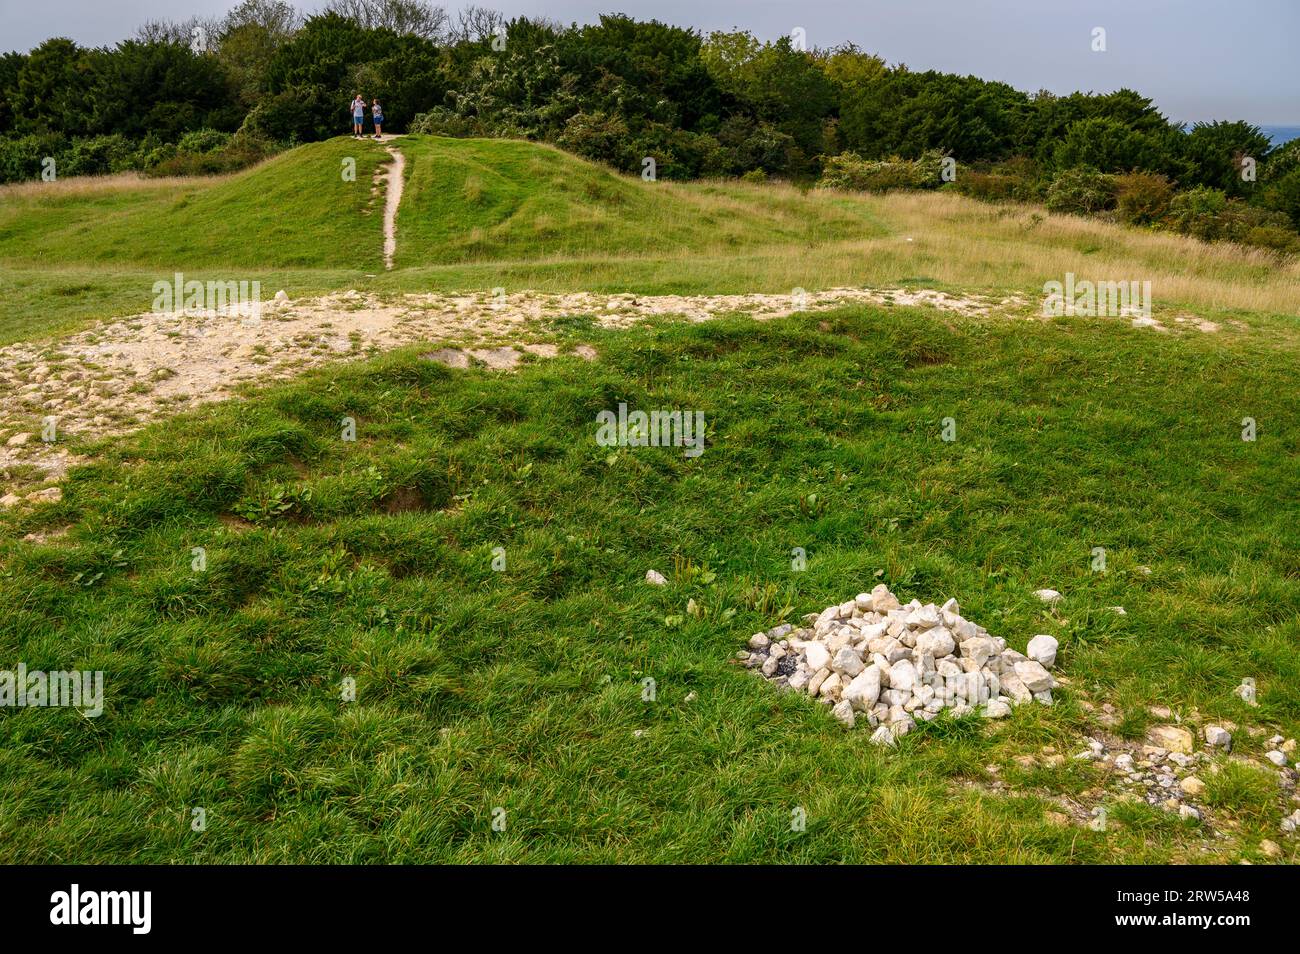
(491, 200)
(294, 210)
(479, 214)
(520, 688)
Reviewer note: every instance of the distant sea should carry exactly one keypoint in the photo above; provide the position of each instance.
(1281, 134)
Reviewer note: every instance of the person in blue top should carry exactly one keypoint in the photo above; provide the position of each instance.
(377, 114)
(358, 116)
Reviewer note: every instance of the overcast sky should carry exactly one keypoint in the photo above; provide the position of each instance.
(1198, 59)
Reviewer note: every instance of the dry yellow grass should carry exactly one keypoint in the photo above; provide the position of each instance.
(961, 241)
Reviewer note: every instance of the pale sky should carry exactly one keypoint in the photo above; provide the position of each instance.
(1198, 59)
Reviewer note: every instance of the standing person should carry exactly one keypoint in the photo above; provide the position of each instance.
(377, 114)
(358, 116)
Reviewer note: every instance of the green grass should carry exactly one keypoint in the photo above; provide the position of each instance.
(522, 689)
(481, 214)
(292, 211)
(504, 200)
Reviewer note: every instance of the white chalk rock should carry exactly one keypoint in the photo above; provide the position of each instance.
(843, 711)
(864, 690)
(994, 709)
(936, 642)
(1042, 649)
(1034, 677)
(1050, 597)
(847, 662)
(1218, 737)
(818, 656)
(902, 675)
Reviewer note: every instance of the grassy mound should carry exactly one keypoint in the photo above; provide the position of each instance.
(292, 211)
(480, 214)
(499, 199)
(522, 688)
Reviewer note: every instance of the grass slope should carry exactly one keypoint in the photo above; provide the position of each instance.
(504, 200)
(522, 689)
(294, 210)
(481, 214)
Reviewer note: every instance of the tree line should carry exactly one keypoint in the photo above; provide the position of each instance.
(211, 95)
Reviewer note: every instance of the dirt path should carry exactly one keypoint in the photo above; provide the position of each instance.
(396, 182)
(123, 374)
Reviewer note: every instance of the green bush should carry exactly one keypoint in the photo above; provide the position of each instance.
(241, 151)
(97, 155)
(1210, 215)
(296, 115)
(21, 158)
(1015, 179)
(1198, 212)
(1282, 194)
(1081, 191)
(1142, 198)
(850, 171)
(678, 154)
(203, 140)
(441, 121)
(599, 137)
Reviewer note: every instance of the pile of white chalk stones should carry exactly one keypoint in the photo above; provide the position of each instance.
(892, 664)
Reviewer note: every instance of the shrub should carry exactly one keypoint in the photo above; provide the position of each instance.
(203, 140)
(241, 151)
(21, 158)
(1197, 212)
(850, 171)
(298, 114)
(1282, 194)
(748, 144)
(597, 136)
(754, 175)
(1142, 198)
(1209, 214)
(1015, 179)
(441, 121)
(1081, 191)
(678, 154)
(97, 155)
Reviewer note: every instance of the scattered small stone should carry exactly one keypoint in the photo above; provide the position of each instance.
(1276, 757)
(1118, 611)
(655, 578)
(1174, 738)
(690, 696)
(1192, 785)
(1050, 597)
(1218, 737)
(1271, 849)
(1187, 811)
